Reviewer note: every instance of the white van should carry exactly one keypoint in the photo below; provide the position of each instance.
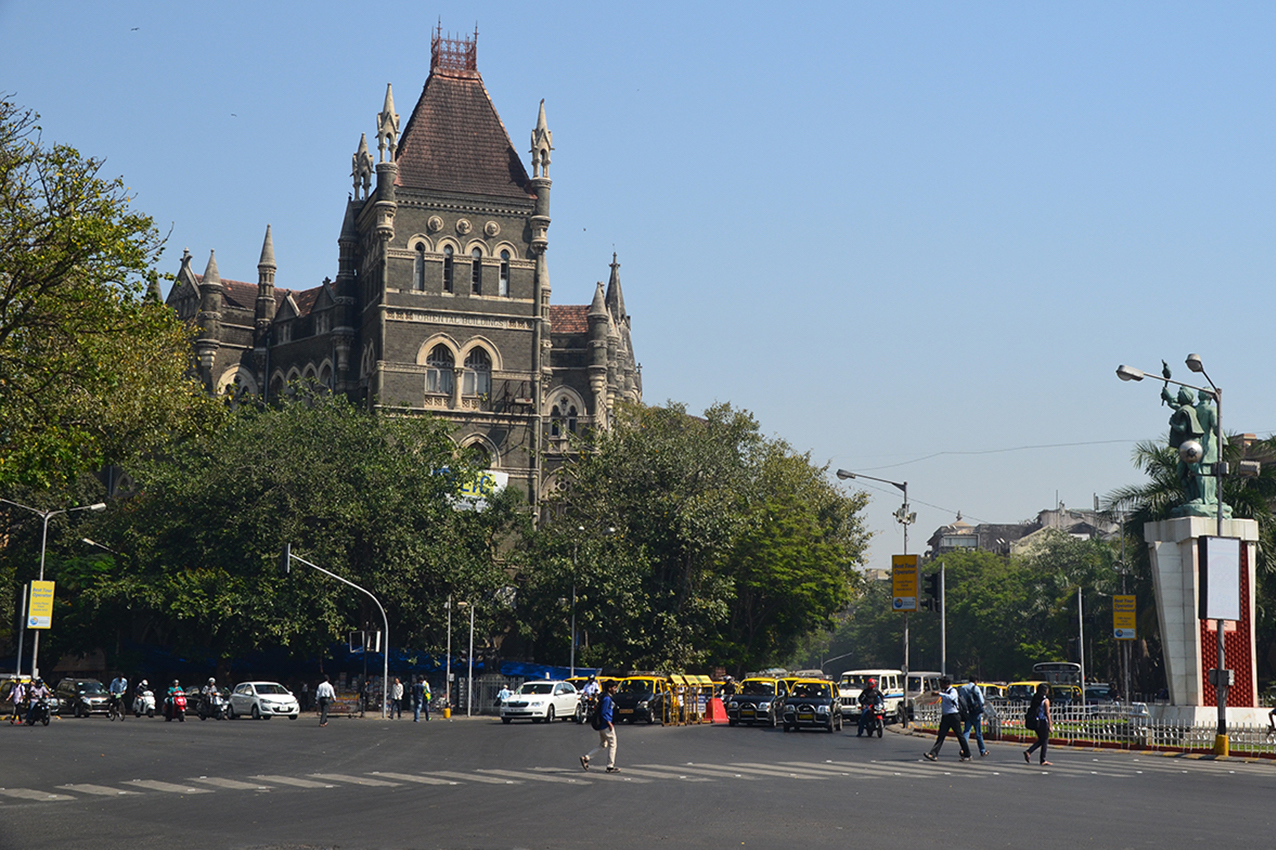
(922, 690)
(889, 682)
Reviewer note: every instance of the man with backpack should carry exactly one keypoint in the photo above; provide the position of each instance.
(971, 698)
(601, 720)
(950, 719)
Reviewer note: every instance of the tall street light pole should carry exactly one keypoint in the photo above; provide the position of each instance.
(469, 679)
(1129, 373)
(905, 518)
(44, 542)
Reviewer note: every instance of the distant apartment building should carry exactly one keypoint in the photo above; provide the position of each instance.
(1015, 537)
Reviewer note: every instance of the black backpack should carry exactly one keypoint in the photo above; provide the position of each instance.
(1030, 716)
(596, 715)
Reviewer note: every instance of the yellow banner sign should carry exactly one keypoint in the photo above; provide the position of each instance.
(40, 607)
(904, 583)
(1124, 615)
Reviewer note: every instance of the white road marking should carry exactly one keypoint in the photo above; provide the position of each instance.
(231, 784)
(167, 787)
(97, 790)
(415, 777)
(31, 794)
(471, 777)
(292, 780)
(539, 777)
(356, 780)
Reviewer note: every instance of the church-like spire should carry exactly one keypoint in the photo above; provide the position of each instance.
(387, 126)
(211, 277)
(542, 144)
(616, 298)
(361, 169)
(598, 307)
(267, 251)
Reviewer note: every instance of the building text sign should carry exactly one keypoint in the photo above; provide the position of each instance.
(904, 583)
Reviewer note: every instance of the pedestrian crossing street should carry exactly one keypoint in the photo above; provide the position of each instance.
(1070, 765)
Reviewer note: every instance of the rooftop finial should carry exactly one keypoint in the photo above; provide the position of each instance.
(361, 168)
(453, 54)
(542, 144)
(387, 126)
(267, 251)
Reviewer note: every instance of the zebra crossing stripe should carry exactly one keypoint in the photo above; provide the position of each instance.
(292, 780)
(539, 777)
(229, 784)
(32, 794)
(663, 773)
(97, 790)
(167, 787)
(829, 769)
(356, 780)
(782, 770)
(472, 777)
(415, 777)
(703, 770)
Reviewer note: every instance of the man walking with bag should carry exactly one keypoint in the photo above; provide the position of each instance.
(950, 718)
(971, 698)
(602, 721)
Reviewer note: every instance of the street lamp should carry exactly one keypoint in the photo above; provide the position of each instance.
(44, 541)
(1129, 373)
(905, 518)
(469, 680)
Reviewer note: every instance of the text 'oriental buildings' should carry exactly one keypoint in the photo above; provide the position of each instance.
(441, 301)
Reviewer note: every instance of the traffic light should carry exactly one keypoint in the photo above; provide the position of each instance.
(930, 583)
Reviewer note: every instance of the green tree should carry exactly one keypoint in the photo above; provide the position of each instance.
(371, 498)
(728, 546)
(92, 370)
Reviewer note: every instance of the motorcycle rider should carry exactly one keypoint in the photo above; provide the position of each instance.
(869, 698)
(170, 701)
(17, 696)
(38, 691)
(207, 693)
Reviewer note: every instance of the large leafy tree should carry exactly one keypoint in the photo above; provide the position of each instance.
(690, 541)
(371, 498)
(92, 370)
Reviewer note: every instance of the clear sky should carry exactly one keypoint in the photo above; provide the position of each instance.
(913, 239)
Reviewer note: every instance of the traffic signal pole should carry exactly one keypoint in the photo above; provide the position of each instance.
(943, 621)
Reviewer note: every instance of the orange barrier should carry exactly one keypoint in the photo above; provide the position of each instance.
(717, 711)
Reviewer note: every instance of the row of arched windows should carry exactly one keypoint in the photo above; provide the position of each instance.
(449, 271)
(440, 372)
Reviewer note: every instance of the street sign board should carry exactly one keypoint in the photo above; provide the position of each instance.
(1219, 560)
(904, 583)
(1123, 617)
(475, 492)
(40, 606)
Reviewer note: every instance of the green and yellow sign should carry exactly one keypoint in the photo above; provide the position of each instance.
(40, 606)
(1123, 618)
(904, 583)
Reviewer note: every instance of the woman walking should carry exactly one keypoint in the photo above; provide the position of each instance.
(1039, 711)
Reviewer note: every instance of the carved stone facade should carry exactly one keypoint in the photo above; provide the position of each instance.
(441, 300)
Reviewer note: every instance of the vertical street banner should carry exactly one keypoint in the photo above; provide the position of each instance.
(1123, 617)
(40, 606)
(904, 583)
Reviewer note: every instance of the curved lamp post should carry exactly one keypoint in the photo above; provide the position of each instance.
(44, 541)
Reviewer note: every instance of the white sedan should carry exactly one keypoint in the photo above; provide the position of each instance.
(541, 699)
(263, 699)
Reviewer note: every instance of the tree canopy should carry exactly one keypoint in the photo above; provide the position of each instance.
(92, 370)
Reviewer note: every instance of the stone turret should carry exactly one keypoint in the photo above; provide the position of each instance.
(209, 320)
(265, 308)
(387, 127)
(345, 292)
(600, 324)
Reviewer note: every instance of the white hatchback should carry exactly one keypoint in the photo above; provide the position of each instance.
(541, 699)
(263, 699)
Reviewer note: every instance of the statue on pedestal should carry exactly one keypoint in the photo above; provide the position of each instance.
(1195, 420)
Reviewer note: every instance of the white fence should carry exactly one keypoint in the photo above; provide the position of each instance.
(1122, 726)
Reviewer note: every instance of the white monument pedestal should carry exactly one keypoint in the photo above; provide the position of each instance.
(1189, 645)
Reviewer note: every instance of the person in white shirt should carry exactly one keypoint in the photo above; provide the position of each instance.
(950, 718)
(325, 694)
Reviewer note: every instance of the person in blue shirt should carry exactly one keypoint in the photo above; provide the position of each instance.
(606, 731)
(950, 718)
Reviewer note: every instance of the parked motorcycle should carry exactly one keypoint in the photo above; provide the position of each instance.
(144, 703)
(213, 705)
(41, 711)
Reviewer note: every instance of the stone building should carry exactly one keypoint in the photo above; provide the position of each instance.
(441, 300)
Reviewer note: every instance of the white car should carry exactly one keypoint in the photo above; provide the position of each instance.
(541, 699)
(262, 699)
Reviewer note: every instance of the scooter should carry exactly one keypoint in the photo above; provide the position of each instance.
(144, 703)
(212, 705)
(175, 707)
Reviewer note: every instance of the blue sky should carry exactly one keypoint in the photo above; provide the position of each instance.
(913, 239)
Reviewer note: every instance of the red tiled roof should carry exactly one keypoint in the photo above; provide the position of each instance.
(455, 141)
(306, 300)
(237, 293)
(240, 294)
(569, 318)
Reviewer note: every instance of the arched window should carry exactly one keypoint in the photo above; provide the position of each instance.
(447, 268)
(476, 272)
(325, 376)
(439, 370)
(478, 455)
(555, 422)
(478, 373)
(571, 419)
(505, 273)
(418, 271)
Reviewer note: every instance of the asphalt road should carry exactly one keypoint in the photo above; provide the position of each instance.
(480, 784)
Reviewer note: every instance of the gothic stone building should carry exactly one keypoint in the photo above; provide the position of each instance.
(441, 301)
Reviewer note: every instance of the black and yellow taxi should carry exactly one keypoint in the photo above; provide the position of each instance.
(758, 699)
(812, 704)
(642, 698)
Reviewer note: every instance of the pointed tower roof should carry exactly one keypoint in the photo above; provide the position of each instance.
(455, 140)
(615, 298)
(211, 277)
(267, 251)
(598, 307)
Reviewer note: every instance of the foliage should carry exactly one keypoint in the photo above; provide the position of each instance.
(370, 498)
(727, 549)
(92, 371)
